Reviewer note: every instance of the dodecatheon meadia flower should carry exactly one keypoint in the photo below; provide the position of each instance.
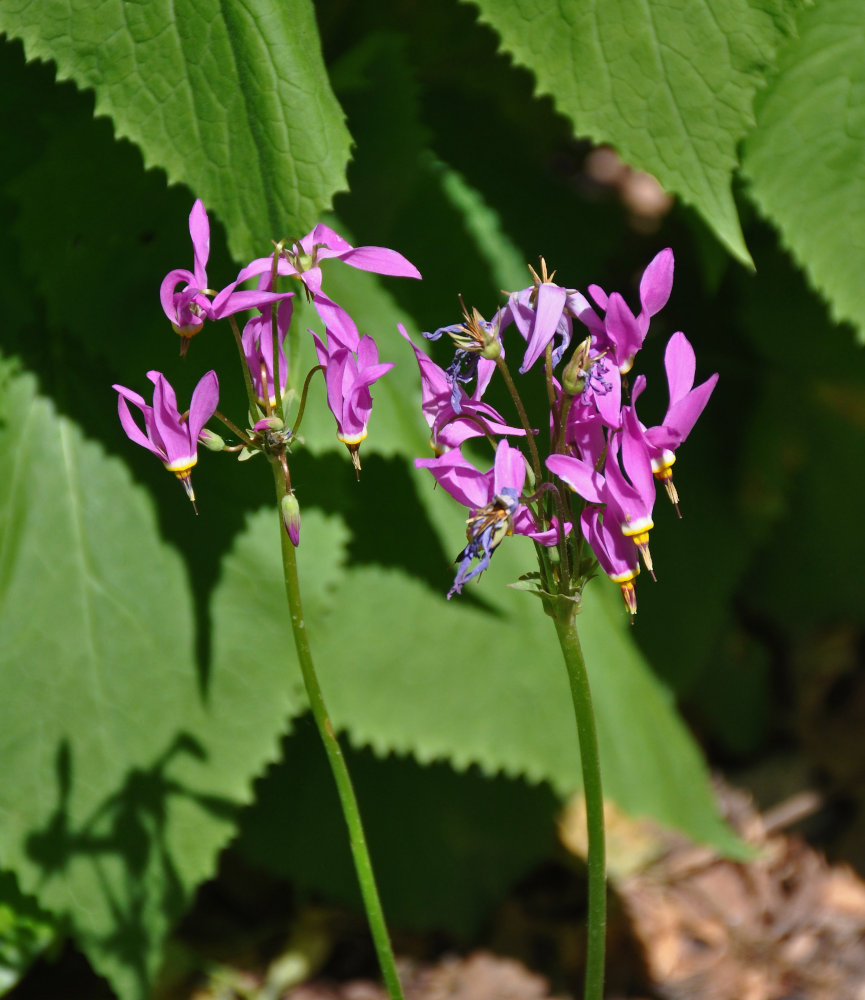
(628, 501)
(257, 343)
(450, 422)
(621, 333)
(493, 499)
(348, 378)
(685, 406)
(188, 308)
(615, 554)
(631, 501)
(303, 261)
(172, 437)
(539, 314)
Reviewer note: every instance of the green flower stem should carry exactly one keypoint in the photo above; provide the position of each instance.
(537, 468)
(348, 799)
(569, 640)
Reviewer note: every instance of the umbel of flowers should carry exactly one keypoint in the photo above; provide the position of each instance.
(349, 361)
(596, 480)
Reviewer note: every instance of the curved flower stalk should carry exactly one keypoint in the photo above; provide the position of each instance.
(168, 434)
(350, 364)
(593, 489)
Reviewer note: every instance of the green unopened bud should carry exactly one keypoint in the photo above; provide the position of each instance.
(211, 441)
(575, 371)
(291, 517)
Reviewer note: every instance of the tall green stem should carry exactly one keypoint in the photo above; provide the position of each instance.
(348, 799)
(569, 640)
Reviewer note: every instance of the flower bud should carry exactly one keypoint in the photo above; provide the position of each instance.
(574, 372)
(269, 424)
(291, 517)
(211, 441)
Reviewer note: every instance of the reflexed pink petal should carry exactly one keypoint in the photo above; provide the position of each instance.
(581, 477)
(166, 419)
(623, 330)
(460, 478)
(681, 417)
(337, 321)
(509, 468)
(380, 260)
(205, 399)
(635, 457)
(680, 363)
(133, 431)
(657, 283)
(548, 312)
(199, 230)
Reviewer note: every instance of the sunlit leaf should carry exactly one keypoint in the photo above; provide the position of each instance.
(230, 99)
(670, 85)
(806, 155)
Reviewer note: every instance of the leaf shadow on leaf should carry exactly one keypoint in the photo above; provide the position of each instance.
(128, 826)
(446, 845)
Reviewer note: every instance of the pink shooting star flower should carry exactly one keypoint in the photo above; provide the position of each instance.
(621, 332)
(348, 378)
(452, 423)
(539, 321)
(257, 343)
(188, 308)
(303, 261)
(493, 499)
(629, 501)
(686, 405)
(615, 555)
(171, 437)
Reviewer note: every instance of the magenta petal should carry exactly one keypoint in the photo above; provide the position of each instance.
(681, 417)
(681, 365)
(523, 525)
(337, 321)
(657, 283)
(623, 331)
(199, 230)
(582, 478)
(166, 418)
(248, 298)
(599, 295)
(580, 307)
(635, 457)
(166, 290)
(133, 431)
(326, 237)
(548, 312)
(509, 468)
(205, 399)
(460, 478)
(380, 260)
(616, 554)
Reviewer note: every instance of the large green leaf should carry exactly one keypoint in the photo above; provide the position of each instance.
(806, 156)
(670, 85)
(480, 680)
(124, 763)
(231, 99)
